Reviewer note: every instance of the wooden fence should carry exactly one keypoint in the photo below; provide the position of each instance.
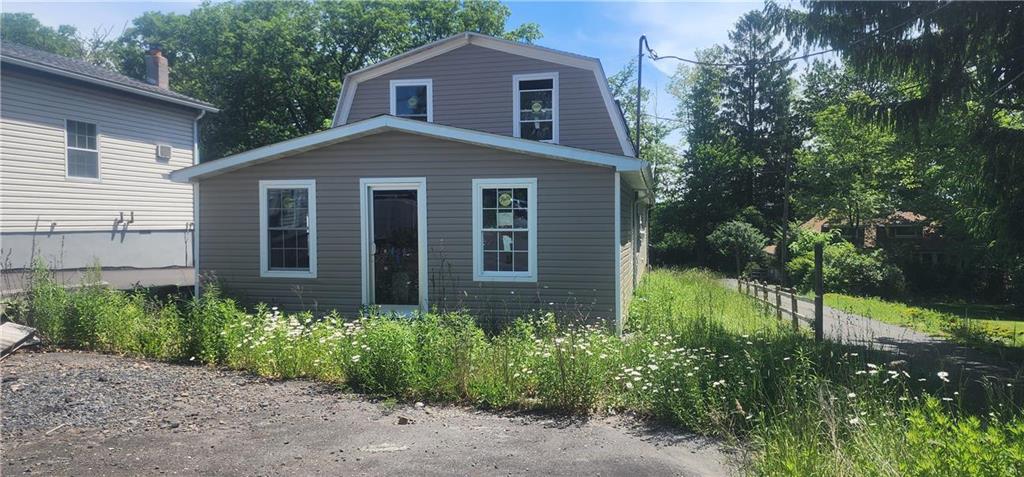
(772, 296)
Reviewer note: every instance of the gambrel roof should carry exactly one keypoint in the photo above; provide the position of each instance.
(352, 80)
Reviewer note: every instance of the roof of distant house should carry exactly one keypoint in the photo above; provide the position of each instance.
(39, 60)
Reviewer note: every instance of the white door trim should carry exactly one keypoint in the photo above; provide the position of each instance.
(419, 184)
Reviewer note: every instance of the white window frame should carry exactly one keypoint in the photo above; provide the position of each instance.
(516, 106)
(429, 83)
(310, 186)
(99, 153)
(479, 275)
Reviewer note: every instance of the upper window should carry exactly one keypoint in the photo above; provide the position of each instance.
(536, 106)
(288, 228)
(505, 229)
(413, 99)
(83, 155)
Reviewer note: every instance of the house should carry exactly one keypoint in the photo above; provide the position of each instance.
(472, 173)
(85, 162)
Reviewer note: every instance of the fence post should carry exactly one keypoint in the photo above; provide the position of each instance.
(819, 292)
(793, 308)
(739, 285)
(778, 302)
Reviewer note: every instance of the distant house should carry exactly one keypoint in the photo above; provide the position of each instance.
(472, 173)
(907, 234)
(85, 162)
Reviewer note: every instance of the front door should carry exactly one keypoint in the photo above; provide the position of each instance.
(393, 240)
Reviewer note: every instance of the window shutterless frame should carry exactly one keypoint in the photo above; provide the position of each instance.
(392, 96)
(479, 274)
(517, 107)
(98, 151)
(265, 270)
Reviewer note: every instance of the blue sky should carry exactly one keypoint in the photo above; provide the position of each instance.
(606, 30)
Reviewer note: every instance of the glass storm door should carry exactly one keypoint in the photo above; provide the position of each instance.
(395, 253)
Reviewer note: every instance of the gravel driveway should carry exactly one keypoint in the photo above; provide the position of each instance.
(89, 414)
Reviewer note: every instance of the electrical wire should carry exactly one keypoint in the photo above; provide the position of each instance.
(653, 55)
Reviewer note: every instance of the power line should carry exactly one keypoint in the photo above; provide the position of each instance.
(653, 55)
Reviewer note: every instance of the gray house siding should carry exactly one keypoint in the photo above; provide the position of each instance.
(633, 242)
(472, 88)
(575, 227)
(72, 223)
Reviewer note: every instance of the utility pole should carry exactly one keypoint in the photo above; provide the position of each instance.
(639, 78)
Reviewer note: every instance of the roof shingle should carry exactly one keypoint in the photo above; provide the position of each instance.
(61, 65)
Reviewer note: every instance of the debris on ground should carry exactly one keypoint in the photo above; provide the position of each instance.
(14, 336)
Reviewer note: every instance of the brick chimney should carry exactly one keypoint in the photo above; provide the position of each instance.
(156, 68)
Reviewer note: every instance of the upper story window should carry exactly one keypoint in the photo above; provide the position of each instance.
(83, 154)
(505, 230)
(413, 99)
(288, 228)
(535, 103)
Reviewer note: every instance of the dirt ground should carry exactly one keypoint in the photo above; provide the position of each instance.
(88, 414)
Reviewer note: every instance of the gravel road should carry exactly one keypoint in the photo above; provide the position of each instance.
(88, 414)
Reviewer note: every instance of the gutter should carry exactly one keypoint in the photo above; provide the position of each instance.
(195, 137)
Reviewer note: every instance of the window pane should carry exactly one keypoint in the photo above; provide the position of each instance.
(520, 221)
(521, 262)
(536, 84)
(489, 197)
(505, 219)
(83, 163)
(411, 100)
(490, 220)
(520, 199)
(490, 241)
(505, 261)
(490, 261)
(521, 241)
(536, 130)
(505, 242)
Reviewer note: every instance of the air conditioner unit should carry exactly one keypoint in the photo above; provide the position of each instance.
(163, 152)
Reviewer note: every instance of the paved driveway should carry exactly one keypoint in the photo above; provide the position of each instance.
(90, 414)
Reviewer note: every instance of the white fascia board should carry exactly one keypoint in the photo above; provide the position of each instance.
(107, 84)
(390, 123)
(352, 80)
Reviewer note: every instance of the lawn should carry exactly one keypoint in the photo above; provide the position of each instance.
(695, 355)
(992, 328)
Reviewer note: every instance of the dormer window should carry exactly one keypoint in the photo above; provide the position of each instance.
(413, 99)
(535, 103)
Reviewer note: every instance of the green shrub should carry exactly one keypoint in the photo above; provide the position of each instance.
(845, 269)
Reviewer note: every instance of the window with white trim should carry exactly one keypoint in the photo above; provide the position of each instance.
(288, 228)
(535, 105)
(83, 154)
(505, 229)
(413, 99)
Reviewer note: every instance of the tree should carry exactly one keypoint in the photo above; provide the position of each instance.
(275, 68)
(959, 72)
(740, 240)
(24, 28)
(756, 110)
(653, 147)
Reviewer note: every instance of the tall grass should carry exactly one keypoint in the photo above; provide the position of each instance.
(695, 355)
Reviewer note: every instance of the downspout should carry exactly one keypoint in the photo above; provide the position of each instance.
(195, 204)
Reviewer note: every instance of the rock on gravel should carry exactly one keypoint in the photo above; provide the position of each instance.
(69, 413)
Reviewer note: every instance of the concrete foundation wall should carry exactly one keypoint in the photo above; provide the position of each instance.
(69, 250)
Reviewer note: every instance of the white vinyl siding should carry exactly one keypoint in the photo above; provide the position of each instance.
(505, 229)
(36, 192)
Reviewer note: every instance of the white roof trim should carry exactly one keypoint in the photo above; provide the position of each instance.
(380, 124)
(108, 84)
(352, 80)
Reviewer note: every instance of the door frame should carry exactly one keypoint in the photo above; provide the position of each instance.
(366, 185)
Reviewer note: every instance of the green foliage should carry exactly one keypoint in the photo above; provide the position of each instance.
(275, 68)
(847, 269)
(697, 355)
(739, 240)
(24, 28)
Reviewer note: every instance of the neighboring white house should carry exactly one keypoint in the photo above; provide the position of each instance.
(85, 155)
